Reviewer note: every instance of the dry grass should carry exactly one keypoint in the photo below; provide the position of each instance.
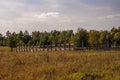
(63, 65)
(4, 49)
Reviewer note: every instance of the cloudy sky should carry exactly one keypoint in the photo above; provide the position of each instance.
(16, 15)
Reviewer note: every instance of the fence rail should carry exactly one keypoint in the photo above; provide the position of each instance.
(60, 47)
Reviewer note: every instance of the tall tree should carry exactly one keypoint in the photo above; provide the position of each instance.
(113, 33)
(11, 41)
(117, 38)
(81, 38)
(26, 37)
(69, 36)
(55, 37)
(62, 37)
(36, 37)
(44, 40)
(1, 39)
(94, 38)
(20, 38)
(8, 33)
(105, 39)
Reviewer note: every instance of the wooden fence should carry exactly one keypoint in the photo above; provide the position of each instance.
(58, 47)
(61, 47)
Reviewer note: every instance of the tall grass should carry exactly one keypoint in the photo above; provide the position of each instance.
(60, 65)
(4, 49)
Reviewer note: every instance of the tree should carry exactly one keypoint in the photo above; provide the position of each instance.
(26, 37)
(81, 38)
(50, 38)
(119, 28)
(105, 39)
(11, 41)
(36, 37)
(113, 31)
(55, 37)
(8, 33)
(1, 39)
(93, 38)
(62, 37)
(117, 38)
(44, 40)
(19, 38)
(69, 36)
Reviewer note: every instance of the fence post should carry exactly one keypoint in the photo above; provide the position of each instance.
(60, 47)
(69, 46)
(64, 46)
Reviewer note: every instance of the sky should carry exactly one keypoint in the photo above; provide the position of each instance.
(47, 15)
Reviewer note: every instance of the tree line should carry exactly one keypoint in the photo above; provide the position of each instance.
(82, 38)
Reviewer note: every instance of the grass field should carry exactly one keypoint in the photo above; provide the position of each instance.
(4, 49)
(63, 65)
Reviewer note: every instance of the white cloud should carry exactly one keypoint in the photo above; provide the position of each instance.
(114, 16)
(47, 15)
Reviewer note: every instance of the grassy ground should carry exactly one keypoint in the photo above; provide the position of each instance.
(4, 49)
(63, 65)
